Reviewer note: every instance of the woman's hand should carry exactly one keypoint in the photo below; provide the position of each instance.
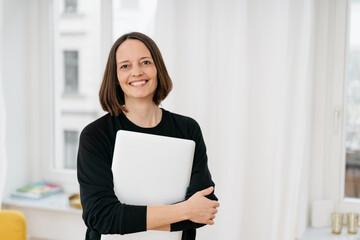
(201, 209)
(197, 208)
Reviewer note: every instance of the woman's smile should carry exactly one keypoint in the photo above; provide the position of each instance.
(138, 83)
(136, 71)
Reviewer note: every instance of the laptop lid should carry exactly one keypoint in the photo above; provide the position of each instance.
(151, 170)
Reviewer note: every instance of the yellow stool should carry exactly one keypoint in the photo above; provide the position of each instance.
(12, 225)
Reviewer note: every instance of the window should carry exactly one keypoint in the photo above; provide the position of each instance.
(332, 174)
(70, 148)
(71, 71)
(80, 46)
(70, 6)
(352, 120)
(133, 15)
(76, 77)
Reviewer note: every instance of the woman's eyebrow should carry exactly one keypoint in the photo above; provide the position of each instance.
(145, 57)
(122, 62)
(128, 60)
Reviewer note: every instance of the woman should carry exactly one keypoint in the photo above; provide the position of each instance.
(135, 82)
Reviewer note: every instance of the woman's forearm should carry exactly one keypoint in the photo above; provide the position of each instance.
(197, 208)
(166, 228)
(160, 217)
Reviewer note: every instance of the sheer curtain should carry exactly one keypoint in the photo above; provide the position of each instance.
(2, 143)
(2, 118)
(242, 69)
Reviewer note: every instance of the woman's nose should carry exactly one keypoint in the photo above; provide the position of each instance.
(137, 71)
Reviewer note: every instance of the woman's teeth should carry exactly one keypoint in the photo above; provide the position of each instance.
(138, 83)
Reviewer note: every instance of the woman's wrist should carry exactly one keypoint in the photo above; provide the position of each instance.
(158, 216)
(184, 210)
(166, 228)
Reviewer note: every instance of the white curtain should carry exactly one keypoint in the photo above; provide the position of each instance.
(2, 119)
(243, 70)
(2, 143)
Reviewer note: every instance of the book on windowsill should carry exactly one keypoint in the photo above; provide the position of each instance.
(36, 190)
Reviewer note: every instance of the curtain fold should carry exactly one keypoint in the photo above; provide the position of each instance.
(242, 69)
(2, 116)
(3, 164)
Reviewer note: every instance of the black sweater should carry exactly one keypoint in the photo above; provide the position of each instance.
(102, 211)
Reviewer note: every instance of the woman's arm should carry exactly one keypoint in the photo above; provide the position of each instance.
(104, 214)
(198, 209)
(200, 177)
(102, 211)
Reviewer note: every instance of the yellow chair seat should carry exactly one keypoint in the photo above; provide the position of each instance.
(12, 225)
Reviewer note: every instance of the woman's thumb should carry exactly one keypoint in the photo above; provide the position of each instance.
(207, 191)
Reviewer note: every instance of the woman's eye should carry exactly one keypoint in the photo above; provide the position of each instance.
(146, 62)
(124, 66)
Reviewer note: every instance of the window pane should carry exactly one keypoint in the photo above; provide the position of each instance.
(78, 64)
(77, 75)
(133, 15)
(70, 147)
(352, 138)
(71, 71)
(70, 6)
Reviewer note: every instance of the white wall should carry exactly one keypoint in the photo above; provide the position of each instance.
(15, 34)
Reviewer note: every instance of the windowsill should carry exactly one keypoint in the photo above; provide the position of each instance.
(49, 218)
(58, 202)
(325, 234)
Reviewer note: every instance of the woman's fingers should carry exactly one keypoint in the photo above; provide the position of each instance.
(215, 211)
(215, 204)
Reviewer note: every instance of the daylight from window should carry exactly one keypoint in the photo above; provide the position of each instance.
(133, 15)
(352, 135)
(77, 67)
(77, 75)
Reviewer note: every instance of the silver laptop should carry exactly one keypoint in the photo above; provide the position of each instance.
(151, 170)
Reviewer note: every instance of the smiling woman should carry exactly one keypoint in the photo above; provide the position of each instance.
(136, 71)
(134, 84)
(123, 63)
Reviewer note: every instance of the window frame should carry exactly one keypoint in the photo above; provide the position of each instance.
(346, 204)
(334, 152)
(41, 126)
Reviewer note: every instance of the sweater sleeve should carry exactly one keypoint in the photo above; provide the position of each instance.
(102, 211)
(200, 178)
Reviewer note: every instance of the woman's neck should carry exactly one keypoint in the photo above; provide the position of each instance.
(143, 114)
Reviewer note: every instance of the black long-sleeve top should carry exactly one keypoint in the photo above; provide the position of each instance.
(103, 213)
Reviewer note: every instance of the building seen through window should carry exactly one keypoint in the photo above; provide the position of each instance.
(352, 119)
(70, 6)
(77, 75)
(71, 73)
(78, 64)
(70, 148)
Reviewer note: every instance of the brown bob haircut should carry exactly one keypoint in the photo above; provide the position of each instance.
(111, 95)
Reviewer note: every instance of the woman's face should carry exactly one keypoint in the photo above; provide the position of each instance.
(136, 71)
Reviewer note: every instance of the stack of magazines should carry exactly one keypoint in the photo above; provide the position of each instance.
(36, 190)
